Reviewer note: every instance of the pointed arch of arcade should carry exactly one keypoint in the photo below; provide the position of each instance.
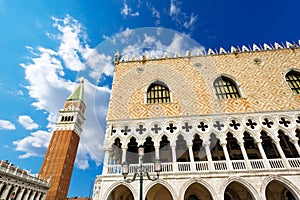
(287, 146)
(163, 183)
(116, 185)
(250, 188)
(286, 183)
(207, 186)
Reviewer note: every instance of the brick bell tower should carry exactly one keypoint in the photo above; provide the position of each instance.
(60, 157)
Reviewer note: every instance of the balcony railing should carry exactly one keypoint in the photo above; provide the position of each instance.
(222, 165)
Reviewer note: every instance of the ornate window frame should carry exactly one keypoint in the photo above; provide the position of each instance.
(159, 82)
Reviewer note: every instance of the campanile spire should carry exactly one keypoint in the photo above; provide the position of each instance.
(60, 157)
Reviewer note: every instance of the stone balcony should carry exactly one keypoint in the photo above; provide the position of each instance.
(214, 166)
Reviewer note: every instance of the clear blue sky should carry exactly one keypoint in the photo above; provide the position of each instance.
(46, 45)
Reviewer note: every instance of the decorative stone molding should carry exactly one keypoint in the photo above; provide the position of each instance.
(203, 52)
(220, 124)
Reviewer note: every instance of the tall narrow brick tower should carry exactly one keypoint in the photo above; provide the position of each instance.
(60, 157)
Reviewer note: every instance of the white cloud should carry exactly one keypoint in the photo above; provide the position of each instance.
(181, 17)
(127, 11)
(6, 125)
(155, 13)
(174, 8)
(72, 42)
(27, 122)
(152, 45)
(190, 24)
(99, 63)
(49, 88)
(33, 145)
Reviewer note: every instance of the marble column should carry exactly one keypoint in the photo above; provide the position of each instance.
(156, 152)
(124, 150)
(26, 197)
(226, 154)
(5, 192)
(296, 144)
(208, 156)
(43, 197)
(105, 162)
(14, 191)
(245, 156)
(32, 195)
(175, 166)
(263, 154)
(192, 161)
(38, 196)
(1, 185)
(110, 158)
(282, 155)
(20, 194)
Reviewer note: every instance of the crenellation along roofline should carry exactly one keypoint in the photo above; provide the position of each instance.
(209, 52)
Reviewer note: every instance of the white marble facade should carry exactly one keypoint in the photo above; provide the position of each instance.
(18, 184)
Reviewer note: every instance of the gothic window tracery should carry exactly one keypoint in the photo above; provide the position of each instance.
(158, 93)
(293, 80)
(225, 88)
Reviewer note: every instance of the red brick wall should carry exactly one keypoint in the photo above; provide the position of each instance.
(59, 162)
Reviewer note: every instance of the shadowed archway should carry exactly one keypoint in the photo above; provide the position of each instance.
(158, 191)
(237, 191)
(277, 191)
(121, 193)
(196, 191)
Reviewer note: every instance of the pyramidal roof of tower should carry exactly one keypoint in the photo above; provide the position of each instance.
(78, 93)
(203, 52)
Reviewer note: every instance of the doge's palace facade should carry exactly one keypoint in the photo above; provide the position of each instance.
(225, 125)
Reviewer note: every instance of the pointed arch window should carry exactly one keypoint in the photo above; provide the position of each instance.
(158, 93)
(293, 80)
(225, 88)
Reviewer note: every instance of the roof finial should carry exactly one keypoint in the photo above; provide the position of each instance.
(78, 93)
(81, 79)
(117, 57)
